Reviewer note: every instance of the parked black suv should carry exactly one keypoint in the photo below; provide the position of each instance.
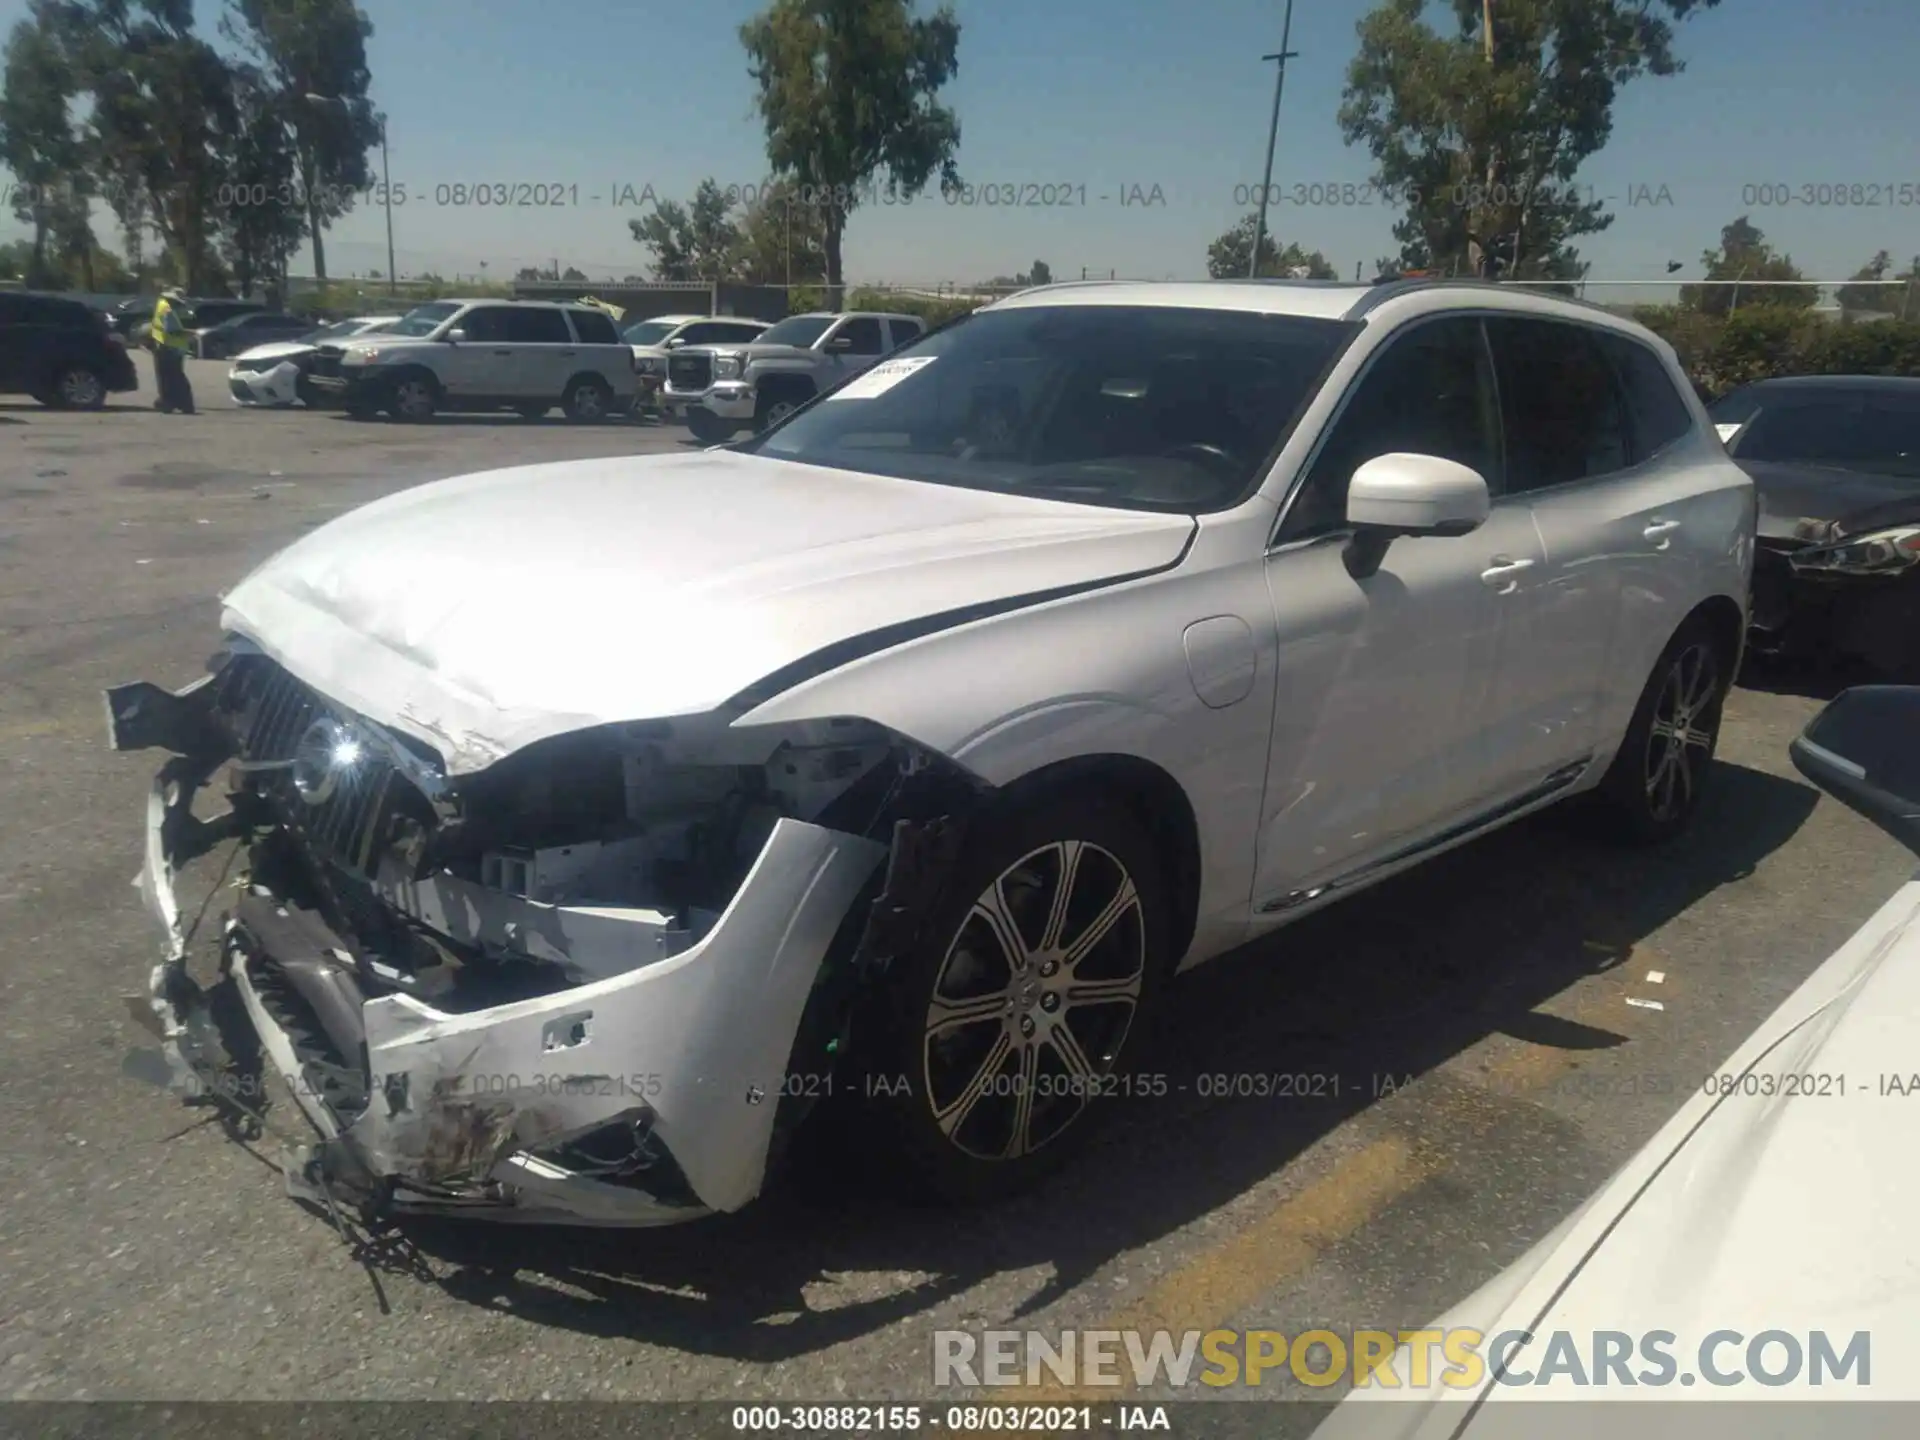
(60, 351)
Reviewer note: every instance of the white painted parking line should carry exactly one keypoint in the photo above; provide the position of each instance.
(1636, 1001)
(1656, 977)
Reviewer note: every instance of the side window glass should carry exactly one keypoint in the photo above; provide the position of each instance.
(593, 328)
(485, 325)
(1430, 392)
(1560, 404)
(739, 334)
(863, 335)
(1659, 415)
(536, 327)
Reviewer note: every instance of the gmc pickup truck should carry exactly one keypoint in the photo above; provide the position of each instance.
(718, 389)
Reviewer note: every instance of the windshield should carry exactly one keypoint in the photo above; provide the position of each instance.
(800, 331)
(1133, 407)
(340, 330)
(649, 332)
(1848, 429)
(425, 319)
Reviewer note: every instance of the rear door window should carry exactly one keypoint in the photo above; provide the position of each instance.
(1654, 408)
(536, 327)
(1559, 402)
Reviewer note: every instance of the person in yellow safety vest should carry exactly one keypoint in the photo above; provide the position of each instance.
(170, 345)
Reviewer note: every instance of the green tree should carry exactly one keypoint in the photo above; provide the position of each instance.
(848, 91)
(264, 218)
(695, 241)
(1481, 137)
(163, 122)
(316, 48)
(1228, 254)
(1040, 274)
(38, 143)
(781, 238)
(1870, 299)
(1744, 255)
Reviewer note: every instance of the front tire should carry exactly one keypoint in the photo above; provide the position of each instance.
(707, 427)
(412, 398)
(774, 408)
(1012, 1024)
(1654, 785)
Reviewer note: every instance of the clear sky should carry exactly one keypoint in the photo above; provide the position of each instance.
(1108, 95)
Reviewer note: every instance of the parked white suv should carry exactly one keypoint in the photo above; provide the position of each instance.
(524, 355)
(722, 389)
(921, 738)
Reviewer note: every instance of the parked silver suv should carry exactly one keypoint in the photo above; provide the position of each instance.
(522, 355)
(719, 389)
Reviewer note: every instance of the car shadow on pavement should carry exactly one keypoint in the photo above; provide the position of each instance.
(1395, 981)
(1818, 678)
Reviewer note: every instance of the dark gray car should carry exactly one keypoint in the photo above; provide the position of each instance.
(1836, 461)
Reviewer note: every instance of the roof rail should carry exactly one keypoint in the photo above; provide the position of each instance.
(1058, 285)
(1392, 287)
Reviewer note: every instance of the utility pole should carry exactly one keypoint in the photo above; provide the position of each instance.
(1273, 134)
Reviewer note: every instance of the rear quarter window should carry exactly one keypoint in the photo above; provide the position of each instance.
(1655, 412)
(594, 327)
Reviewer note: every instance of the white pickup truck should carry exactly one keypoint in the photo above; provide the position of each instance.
(718, 389)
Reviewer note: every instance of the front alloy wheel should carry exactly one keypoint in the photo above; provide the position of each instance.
(1021, 1012)
(1034, 1000)
(413, 399)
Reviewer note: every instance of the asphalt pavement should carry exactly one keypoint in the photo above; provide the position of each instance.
(1481, 1068)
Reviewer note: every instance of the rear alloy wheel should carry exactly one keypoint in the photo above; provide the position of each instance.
(587, 401)
(1656, 781)
(412, 398)
(1015, 1021)
(79, 387)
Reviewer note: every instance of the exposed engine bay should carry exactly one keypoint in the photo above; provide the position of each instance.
(573, 985)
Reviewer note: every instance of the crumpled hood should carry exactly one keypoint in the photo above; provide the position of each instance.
(277, 350)
(486, 612)
(1797, 500)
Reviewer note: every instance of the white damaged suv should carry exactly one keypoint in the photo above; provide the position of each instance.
(927, 735)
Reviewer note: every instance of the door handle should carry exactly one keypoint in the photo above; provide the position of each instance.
(1500, 575)
(503, 352)
(1659, 530)
(569, 353)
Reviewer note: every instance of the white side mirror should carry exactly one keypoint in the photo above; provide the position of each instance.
(1417, 495)
(1407, 494)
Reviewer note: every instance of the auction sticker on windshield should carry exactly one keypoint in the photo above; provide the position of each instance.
(881, 378)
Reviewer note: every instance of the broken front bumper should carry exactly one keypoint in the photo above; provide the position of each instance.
(501, 1112)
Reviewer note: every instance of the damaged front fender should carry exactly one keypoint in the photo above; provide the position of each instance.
(505, 1111)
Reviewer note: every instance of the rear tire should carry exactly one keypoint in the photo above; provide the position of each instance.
(1654, 785)
(75, 387)
(588, 401)
(1004, 1035)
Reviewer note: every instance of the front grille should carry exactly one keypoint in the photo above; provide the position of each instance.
(689, 372)
(326, 361)
(276, 711)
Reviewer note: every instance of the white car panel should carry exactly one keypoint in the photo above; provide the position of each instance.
(1749, 1211)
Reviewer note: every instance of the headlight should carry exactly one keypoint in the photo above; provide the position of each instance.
(359, 357)
(644, 364)
(726, 367)
(1884, 552)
